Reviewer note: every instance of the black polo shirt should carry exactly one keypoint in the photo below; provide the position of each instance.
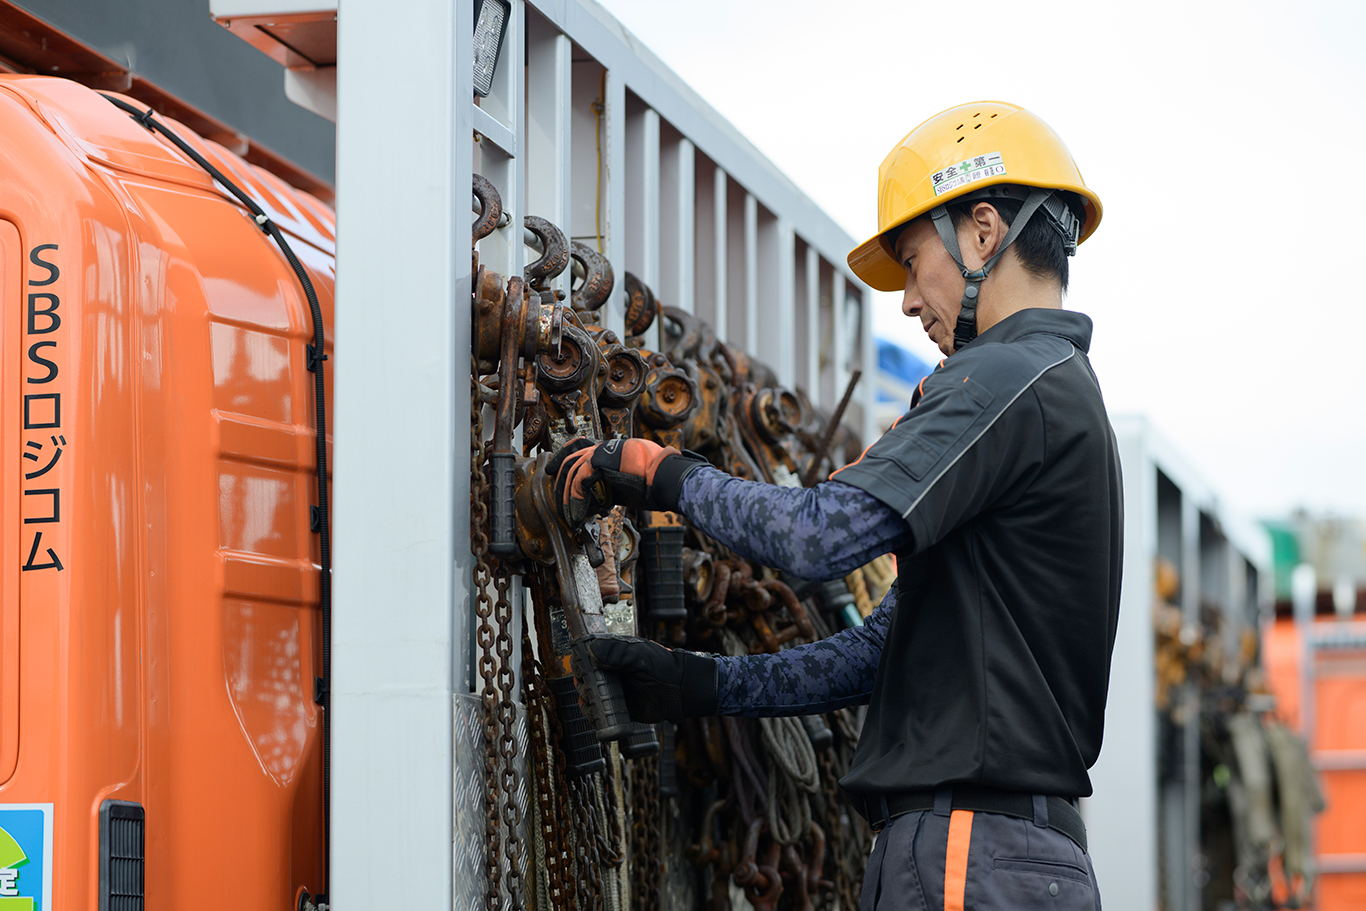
(997, 659)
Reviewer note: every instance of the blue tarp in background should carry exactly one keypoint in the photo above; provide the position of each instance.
(900, 363)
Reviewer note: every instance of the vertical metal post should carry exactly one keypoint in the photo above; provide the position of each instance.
(1304, 593)
(751, 273)
(649, 198)
(1121, 816)
(402, 346)
(677, 211)
(812, 373)
(786, 315)
(549, 74)
(616, 197)
(642, 200)
(720, 197)
(839, 341)
(1190, 732)
(868, 364)
(685, 238)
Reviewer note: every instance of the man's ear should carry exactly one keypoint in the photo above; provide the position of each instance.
(988, 229)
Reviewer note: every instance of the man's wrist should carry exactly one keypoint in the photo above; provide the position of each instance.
(673, 470)
(699, 686)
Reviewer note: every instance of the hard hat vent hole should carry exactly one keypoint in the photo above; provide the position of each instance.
(961, 138)
(976, 126)
(994, 116)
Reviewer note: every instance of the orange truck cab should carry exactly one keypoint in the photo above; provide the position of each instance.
(160, 628)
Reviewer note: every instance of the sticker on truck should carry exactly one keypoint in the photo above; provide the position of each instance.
(25, 857)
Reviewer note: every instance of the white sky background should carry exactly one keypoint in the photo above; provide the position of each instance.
(1227, 142)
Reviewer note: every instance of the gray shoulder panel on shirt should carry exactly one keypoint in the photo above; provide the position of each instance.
(961, 401)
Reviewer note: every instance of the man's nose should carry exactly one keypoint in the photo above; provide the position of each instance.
(911, 302)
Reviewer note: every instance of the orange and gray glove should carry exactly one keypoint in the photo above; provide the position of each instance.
(591, 479)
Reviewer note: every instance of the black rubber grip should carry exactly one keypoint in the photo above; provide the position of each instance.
(601, 694)
(661, 552)
(642, 741)
(668, 764)
(503, 508)
(582, 752)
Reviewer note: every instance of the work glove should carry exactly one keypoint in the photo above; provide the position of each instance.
(591, 479)
(660, 684)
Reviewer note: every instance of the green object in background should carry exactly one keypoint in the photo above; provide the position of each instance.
(1285, 555)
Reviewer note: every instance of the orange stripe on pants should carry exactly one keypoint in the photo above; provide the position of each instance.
(956, 859)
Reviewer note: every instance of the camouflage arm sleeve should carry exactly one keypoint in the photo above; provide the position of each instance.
(815, 533)
(821, 676)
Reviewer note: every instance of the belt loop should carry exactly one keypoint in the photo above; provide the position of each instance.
(886, 813)
(943, 800)
(1041, 811)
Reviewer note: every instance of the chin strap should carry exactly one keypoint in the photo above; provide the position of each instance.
(966, 328)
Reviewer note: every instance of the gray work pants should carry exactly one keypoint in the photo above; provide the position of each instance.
(976, 862)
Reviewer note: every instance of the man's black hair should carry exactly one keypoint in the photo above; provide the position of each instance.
(1039, 246)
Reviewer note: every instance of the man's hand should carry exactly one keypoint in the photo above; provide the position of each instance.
(659, 684)
(590, 480)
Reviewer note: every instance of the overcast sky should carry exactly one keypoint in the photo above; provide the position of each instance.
(1226, 141)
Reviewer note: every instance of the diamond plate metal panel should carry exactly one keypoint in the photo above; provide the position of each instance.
(473, 806)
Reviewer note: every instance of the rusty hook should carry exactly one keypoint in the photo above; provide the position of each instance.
(598, 278)
(490, 207)
(682, 332)
(640, 306)
(554, 252)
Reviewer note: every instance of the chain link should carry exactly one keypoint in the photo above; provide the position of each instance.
(613, 840)
(646, 870)
(483, 609)
(494, 638)
(583, 799)
(506, 709)
(540, 708)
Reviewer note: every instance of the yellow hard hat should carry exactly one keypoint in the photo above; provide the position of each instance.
(961, 151)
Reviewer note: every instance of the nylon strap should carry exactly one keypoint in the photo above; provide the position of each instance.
(966, 328)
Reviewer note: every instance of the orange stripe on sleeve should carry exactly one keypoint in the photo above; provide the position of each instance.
(865, 450)
(956, 860)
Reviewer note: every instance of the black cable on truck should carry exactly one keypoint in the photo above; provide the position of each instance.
(315, 355)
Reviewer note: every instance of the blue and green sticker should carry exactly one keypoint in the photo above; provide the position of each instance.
(25, 857)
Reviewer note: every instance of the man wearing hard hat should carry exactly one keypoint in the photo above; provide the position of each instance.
(985, 668)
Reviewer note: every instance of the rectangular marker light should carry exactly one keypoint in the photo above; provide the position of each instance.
(490, 25)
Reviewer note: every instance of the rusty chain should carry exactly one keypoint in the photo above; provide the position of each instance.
(847, 880)
(502, 837)
(645, 834)
(506, 709)
(613, 839)
(483, 609)
(540, 708)
(584, 801)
